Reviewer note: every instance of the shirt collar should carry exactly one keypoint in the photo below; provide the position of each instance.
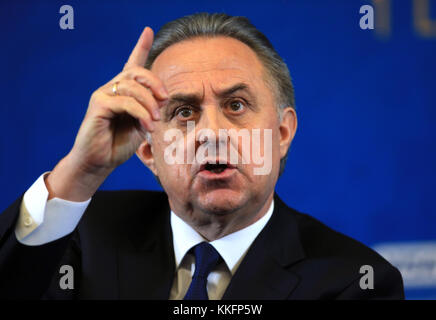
(231, 247)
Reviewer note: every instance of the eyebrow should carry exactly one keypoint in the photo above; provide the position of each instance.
(237, 87)
(192, 98)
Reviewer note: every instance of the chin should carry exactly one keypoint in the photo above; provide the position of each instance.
(221, 201)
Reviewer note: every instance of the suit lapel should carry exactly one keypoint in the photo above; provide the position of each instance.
(265, 272)
(146, 263)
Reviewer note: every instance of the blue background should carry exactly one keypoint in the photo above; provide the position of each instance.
(363, 160)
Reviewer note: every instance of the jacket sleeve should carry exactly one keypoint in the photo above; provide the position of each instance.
(33, 272)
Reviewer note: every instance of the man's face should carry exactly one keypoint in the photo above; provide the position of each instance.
(217, 83)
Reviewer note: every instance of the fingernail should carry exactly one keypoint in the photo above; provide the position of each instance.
(163, 93)
(143, 123)
(140, 80)
(156, 114)
(151, 126)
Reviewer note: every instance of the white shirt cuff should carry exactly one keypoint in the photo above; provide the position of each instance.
(41, 221)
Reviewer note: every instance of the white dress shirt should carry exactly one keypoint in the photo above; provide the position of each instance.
(41, 221)
(231, 247)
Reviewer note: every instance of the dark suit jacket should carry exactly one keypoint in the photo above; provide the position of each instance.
(123, 249)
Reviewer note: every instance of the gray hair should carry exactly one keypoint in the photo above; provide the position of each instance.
(239, 28)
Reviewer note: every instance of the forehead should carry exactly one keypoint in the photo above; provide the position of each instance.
(218, 61)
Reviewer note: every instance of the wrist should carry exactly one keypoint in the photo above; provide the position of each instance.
(70, 181)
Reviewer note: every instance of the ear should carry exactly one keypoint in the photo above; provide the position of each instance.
(288, 127)
(145, 154)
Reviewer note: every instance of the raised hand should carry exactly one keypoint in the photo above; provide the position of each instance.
(118, 116)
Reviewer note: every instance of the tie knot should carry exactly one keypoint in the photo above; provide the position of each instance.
(206, 258)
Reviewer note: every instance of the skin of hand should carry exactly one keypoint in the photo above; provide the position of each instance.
(113, 128)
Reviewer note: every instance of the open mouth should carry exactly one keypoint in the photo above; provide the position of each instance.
(216, 168)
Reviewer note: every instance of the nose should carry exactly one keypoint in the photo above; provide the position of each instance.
(213, 119)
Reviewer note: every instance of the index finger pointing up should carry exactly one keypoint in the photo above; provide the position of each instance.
(138, 57)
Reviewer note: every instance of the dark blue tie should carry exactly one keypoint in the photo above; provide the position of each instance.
(206, 258)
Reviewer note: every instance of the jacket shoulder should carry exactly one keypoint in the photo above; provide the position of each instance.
(127, 200)
(117, 213)
(320, 241)
(342, 261)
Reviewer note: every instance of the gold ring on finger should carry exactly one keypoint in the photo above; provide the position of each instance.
(115, 88)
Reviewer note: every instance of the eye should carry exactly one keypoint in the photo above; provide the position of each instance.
(236, 106)
(184, 113)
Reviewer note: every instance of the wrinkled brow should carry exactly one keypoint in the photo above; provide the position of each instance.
(193, 98)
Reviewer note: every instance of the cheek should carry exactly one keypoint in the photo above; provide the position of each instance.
(165, 157)
(176, 175)
(270, 143)
(276, 152)
(276, 137)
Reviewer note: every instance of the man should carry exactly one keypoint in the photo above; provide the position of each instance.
(219, 231)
